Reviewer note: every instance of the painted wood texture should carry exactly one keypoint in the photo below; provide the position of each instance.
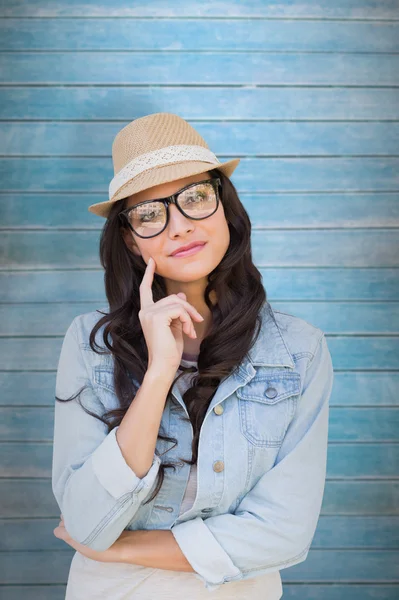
(307, 95)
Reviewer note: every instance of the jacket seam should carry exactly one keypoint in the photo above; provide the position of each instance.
(285, 562)
(245, 571)
(118, 506)
(303, 354)
(315, 351)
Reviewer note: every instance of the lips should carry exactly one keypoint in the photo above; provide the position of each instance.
(188, 247)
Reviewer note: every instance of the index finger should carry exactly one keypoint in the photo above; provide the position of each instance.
(146, 297)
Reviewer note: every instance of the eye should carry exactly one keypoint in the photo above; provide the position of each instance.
(198, 196)
(144, 218)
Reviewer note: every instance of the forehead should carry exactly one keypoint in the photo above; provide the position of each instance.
(165, 189)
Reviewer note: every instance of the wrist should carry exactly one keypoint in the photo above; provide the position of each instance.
(158, 374)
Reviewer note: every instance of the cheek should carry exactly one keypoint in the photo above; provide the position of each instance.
(221, 232)
(150, 248)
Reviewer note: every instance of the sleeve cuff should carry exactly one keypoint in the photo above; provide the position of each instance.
(207, 557)
(114, 473)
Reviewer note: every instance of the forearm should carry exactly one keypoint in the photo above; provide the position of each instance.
(156, 548)
(137, 434)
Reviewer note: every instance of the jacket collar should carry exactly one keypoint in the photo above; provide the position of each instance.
(270, 348)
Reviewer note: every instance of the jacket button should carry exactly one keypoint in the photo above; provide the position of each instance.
(218, 466)
(271, 392)
(218, 409)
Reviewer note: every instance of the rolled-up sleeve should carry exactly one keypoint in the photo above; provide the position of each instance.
(97, 492)
(274, 524)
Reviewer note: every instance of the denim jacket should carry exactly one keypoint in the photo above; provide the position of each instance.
(261, 460)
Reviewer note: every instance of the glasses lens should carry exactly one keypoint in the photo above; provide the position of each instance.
(148, 219)
(198, 202)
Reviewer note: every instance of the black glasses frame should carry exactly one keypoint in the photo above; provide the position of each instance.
(173, 199)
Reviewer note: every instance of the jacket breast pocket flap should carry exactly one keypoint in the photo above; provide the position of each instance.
(266, 406)
(104, 386)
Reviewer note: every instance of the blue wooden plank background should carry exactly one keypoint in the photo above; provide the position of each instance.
(307, 94)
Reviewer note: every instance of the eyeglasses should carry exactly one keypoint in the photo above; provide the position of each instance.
(196, 201)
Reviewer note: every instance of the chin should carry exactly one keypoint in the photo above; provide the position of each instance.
(188, 272)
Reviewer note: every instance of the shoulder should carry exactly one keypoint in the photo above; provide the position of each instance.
(301, 337)
(84, 323)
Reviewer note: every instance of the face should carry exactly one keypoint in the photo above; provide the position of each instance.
(181, 231)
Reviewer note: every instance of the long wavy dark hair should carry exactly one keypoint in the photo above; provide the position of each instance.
(234, 328)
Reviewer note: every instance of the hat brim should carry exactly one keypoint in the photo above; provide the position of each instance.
(158, 175)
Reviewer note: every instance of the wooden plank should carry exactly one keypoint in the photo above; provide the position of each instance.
(302, 283)
(342, 318)
(69, 286)
(359, 424)
(371, 497)
(33, 498)
(346, 424)
(297, 248)
(39, 592)
(233, 68)
(369, 388)
(357, 388)
(317, 174)
(366, 566)
(340, 9)
(266, 211)
(198, 34)
(234, 138)
(345, 460)
(33, 535)
(336, 318)
(40, 567)
(246, 102)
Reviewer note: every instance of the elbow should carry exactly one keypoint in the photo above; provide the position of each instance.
(100, 538)
(91, 515)
(297, 556)
(98, 531)
(293, 555)
(295, 552)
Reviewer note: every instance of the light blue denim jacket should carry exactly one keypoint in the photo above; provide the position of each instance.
(261, 460)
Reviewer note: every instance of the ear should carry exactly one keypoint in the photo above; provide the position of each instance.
(130, 241)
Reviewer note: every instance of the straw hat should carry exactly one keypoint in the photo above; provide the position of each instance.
(155, 149)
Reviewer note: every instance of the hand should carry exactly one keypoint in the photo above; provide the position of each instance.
(163, 323)
(116, 553)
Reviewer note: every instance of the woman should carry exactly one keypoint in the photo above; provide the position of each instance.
(193, 458)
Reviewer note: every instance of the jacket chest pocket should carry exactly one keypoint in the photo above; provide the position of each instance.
(103, 376)
(266, 406)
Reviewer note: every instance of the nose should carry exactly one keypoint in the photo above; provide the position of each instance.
(177, 221)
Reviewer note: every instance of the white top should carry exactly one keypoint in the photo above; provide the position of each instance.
(94, 580)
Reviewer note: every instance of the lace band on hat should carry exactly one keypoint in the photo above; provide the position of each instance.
(163, 156)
